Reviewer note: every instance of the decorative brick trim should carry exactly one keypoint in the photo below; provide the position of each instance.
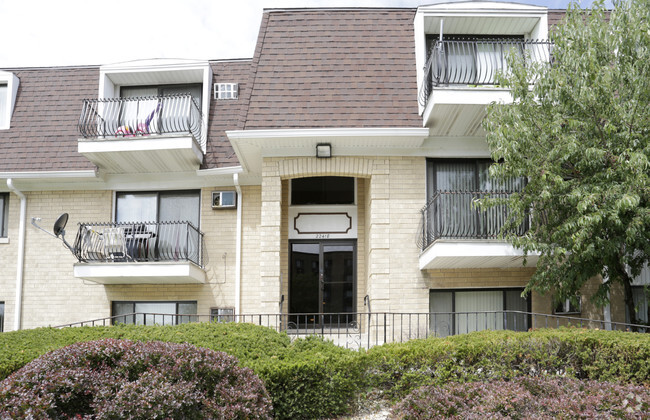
(336, 166)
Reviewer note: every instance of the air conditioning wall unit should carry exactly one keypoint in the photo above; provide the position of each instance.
(224, 200)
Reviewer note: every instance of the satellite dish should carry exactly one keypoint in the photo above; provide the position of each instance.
(59, 225)
(59, 230)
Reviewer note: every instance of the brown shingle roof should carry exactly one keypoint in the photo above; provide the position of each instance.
(312, 69)
(225, 114)
(335, 68)
(43, 134)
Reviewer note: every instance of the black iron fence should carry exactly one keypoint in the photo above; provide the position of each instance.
(476, 62)
(456, 215)
(139, 242)
(364, 330)
(141, 116)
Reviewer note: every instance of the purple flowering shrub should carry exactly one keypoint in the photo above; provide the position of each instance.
(131, 379)
(527, 398)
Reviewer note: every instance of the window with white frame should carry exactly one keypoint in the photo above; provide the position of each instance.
(568, 306)
(226, 90)
(455, 311)
(641, 295)
(222, 314)
(4, 115)
(8, 90)
(154, 206)
(4, 209)
(2, 316)
(159, 226)
(154, 313)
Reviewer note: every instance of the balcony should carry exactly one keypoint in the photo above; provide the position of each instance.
(142, 135)
(460, 79)
(457, 234)
(139, 253)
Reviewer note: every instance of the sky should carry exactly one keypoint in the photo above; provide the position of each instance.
(41, 33)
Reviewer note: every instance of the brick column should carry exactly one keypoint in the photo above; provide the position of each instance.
(378, 263)
(270, 243)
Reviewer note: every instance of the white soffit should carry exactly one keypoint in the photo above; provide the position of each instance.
(443, 254)
(155, 72)
(161, 273)
(99, 180)
(253, 145)
(481, 18)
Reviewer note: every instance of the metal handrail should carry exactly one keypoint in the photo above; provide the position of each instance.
(455, 215)
(476, 62)
(125, 118)
(139, 242)
(367, 329)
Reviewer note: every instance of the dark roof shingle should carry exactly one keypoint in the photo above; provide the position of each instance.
(225, 114)
(43, 134)
(335, 68)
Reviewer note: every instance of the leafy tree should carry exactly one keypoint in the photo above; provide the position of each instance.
(580, 134)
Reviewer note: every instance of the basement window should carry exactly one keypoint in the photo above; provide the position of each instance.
(222, 314)
(568, 306)
(154, 313)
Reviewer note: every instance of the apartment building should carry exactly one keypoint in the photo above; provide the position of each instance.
(332, 173)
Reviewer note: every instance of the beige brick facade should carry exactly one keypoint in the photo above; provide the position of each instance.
(8, 261)
(53, 296)
(390, 191)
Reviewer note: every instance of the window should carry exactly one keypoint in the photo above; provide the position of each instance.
(453, 186)
(4, 210)
(163, 90)
(472, 59)
(466, 175)
(322, 190)
(463, 311)
(157, 226)
(4, 115)
(164, 206)
(568, 306)
(8, 91)
(222, 314)
(226, 90)
(641, 295)
(154, 313)
(155, 109)
(2, 316)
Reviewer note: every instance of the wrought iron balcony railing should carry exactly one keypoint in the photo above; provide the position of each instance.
(455, 215)
(476, 62)
(141, 116)
(139, 242)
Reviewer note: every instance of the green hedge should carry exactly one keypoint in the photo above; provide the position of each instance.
(494, 355)
(306, 379)
(311, 378)
(244, 341)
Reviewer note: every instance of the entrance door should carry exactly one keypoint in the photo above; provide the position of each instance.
(322, 285)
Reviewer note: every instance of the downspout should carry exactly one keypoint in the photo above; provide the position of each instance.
(21, 255)
(235, 179)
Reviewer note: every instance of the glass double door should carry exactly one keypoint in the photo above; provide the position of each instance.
(322, 284)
